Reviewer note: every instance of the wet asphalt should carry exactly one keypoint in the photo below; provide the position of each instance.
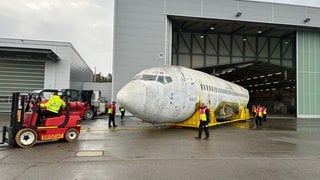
(283, 148)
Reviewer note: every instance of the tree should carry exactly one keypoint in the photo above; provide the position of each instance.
(101, 78)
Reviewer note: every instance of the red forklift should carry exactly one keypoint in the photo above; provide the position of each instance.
(27, 124)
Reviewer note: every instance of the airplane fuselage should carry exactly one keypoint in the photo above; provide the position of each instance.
(170, 94)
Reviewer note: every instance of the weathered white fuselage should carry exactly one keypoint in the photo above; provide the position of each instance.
(169, 94)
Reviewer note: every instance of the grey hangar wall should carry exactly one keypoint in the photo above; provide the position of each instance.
(143, 37)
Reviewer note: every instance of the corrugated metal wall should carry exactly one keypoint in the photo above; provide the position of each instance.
(308, 74)
(19, 76)
(138, 39)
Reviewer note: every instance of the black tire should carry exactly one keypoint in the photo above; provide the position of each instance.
(88, 114)
(26, 137)
(71, 135)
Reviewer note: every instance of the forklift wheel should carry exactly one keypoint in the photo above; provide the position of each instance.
(88, 114)
(71, 135)
(26, 137)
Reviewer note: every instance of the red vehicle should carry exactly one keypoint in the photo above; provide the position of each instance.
(80, 103)
(27, 126)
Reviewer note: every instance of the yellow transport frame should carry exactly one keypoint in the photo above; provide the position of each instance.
(193, 121)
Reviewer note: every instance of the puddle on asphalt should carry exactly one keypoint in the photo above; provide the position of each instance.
(286, 124)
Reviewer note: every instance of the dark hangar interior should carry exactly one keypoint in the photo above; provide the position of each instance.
(259, 57)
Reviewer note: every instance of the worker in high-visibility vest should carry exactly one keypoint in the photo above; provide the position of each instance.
(259, 116)
(112, 113)
(122, 111)
(264, 113)
(254, 112)
(204, 119)
(54, 105)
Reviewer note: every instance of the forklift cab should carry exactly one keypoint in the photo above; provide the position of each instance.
(34, 113)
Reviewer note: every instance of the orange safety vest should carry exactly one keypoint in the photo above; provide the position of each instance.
(111, 108)
(264, 111)
(203, 116)
(254, 109)
(259, 111)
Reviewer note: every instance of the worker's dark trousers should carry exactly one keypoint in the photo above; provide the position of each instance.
(264, 117)
(258, 121)
(253, 120)
(111, 120)
(122, 114)
(203, 124)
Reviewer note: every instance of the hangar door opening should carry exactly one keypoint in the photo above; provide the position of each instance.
(18, 76)
(259, 57)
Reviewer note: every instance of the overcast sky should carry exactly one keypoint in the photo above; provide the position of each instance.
(87, 24)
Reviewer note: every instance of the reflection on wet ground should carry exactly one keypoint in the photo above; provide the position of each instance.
(281, 123)
(283, 148)
(272, 123)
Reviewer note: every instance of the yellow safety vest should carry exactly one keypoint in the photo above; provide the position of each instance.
(259, 112)
(264, 111)
(203, 116)
(110, 111)
(54, 104)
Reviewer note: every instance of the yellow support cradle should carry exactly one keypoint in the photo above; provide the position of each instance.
(193, 121)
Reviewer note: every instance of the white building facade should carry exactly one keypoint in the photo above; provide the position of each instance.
(27, 65)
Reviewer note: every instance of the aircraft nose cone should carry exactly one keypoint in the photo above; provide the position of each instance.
(132, 96)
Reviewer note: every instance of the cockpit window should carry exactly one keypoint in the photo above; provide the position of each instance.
(137, 77)
(168, 79)
(164, 79)
(148, 77)
(160, 79)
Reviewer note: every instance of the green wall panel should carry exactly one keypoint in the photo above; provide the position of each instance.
(308, 74)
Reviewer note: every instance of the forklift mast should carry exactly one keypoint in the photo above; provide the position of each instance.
(16, 122)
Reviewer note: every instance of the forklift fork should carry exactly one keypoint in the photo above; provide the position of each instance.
(3, 135)
(7, 136)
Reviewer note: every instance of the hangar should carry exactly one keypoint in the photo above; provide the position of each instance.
(271, 49)
(26, 65)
